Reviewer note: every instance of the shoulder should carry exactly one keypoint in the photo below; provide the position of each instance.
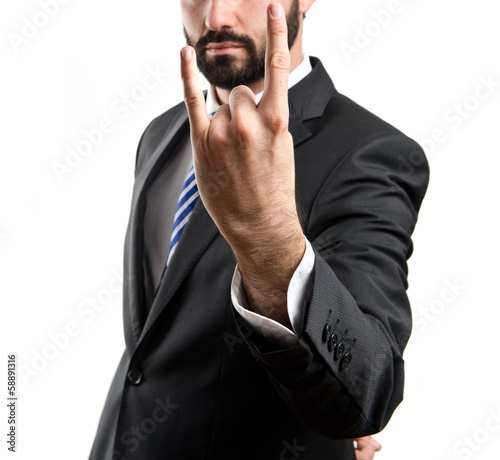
(329, 113)
(159, 125)
(348, 142)
(336, 120)
(156, 131)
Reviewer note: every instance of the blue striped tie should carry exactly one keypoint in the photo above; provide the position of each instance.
(187, 201)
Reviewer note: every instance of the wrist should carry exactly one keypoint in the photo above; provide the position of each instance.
(268, 262)
(269, 249)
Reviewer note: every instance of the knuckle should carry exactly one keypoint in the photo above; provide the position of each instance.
(240, 90)
(192, 100)
(280, 61)
(245, 132)
(211, 190)
(276, 122)
(241, 95)
(187, 75)
(278, 30)
(218, 135)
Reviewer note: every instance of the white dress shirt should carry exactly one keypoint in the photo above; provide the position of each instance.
(161, 203)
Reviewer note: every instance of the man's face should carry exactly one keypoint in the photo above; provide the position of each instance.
(229, 37)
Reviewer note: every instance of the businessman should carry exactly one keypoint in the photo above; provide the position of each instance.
(265, 272)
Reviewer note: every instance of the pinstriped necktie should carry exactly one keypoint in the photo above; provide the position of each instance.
(185, 205)
(187, 201)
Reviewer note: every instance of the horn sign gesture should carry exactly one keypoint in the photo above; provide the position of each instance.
(249, 145)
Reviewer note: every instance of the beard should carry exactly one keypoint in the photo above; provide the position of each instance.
(224, 71)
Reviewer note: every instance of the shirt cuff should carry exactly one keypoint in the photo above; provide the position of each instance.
(299, 290)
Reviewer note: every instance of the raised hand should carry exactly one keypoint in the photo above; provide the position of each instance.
(250, 144)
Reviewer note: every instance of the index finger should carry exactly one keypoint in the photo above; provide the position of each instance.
(275, 95)
(193, 95)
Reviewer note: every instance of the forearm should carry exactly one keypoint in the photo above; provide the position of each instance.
(267, 262)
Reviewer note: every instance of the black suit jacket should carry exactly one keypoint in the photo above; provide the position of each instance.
(195, 381)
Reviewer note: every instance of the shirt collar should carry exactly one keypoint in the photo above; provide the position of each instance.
(301, 71)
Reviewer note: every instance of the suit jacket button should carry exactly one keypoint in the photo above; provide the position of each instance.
(339, 351)
(135, 376)
(332, 341)
(327, 330)
(345, 361)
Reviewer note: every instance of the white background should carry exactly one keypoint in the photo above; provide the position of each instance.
(61, 237)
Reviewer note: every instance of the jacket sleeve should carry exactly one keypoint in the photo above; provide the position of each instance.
(345, 375)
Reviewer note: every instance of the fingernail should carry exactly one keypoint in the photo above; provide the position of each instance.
(276, 10)
(186, 54)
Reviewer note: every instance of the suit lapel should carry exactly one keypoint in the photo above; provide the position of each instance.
(308, 99)
(133, 289)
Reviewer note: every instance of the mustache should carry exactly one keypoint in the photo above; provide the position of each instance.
(224, 36)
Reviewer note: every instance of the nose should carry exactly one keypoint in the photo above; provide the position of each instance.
(220, 15)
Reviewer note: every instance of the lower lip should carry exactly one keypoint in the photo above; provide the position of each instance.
(225, 50)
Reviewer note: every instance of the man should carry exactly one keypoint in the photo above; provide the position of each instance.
(269, 320)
